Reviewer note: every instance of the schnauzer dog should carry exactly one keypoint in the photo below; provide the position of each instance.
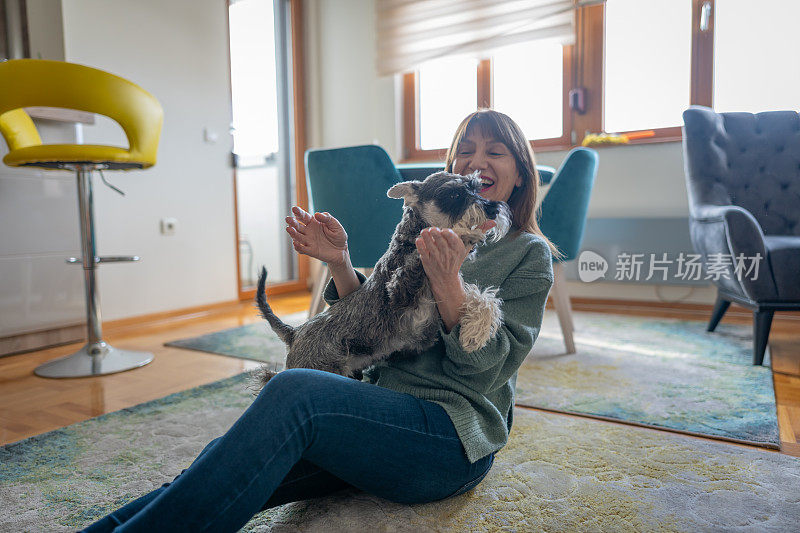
(394, 309)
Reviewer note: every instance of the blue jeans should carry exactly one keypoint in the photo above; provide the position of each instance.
(310, 433)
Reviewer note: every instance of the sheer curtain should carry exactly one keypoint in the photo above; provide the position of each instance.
(411, 32)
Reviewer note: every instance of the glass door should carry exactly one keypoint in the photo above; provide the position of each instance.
(260, 89)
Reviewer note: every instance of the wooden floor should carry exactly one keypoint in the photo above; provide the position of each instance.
(30, 405)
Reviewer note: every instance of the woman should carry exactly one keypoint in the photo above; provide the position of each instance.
(431, 426)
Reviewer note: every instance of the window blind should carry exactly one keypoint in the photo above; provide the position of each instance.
(410, 32)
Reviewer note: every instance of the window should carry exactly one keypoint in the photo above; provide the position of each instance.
(748, 73)
(528, 85)
(448, 90)
(442, 92)
(634, 66)
(646, 63)
(515, 90)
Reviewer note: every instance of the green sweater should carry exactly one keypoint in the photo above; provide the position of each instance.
(476, 389)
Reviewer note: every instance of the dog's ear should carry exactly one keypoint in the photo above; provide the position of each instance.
(406, 190)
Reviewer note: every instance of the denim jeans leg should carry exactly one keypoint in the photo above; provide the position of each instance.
(405, 450)
(385, 442)
(303, 482)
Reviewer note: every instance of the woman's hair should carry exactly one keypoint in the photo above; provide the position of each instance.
(523, 199)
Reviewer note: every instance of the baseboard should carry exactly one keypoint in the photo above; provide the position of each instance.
(47, 338)
(122, 325)
(275, 289)
(36, 340)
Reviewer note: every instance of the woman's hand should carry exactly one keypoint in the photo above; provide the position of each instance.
(320, 236)
(442, 253)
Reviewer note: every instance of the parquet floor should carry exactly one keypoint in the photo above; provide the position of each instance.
(30, 405)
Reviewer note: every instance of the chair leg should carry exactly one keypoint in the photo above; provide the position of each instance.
(96, 357)
(317, 301)
(563, 306)
(762, 320)
(720, 306)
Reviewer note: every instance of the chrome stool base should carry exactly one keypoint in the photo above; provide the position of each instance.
(93, 360)
(96, 358)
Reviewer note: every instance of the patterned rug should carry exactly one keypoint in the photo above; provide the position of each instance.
(256, 342)
(662, 373)
(669, 374)
(558, 473)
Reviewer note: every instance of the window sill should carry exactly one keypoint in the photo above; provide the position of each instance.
(428, 157)
(652, 140)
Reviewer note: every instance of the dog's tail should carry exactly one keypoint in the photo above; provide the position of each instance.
(284, 331)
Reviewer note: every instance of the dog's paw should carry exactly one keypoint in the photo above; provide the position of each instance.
(481, 319)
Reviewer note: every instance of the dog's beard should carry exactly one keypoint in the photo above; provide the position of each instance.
(503, 221)
(468, 228)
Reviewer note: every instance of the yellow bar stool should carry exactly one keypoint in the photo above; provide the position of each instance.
(36, 82)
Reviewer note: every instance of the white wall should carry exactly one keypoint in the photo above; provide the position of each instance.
(177, 50)
(635, 181)
(348, 103)
(45, 29)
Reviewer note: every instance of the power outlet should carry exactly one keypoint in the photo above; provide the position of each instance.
(168, 226)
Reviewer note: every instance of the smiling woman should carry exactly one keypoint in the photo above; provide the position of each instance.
(419, 427)
(498, 170)
(492, 143)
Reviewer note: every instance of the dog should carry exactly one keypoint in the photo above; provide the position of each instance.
(394, 309)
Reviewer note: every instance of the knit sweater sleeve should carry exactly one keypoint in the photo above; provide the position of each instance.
(524, 294)
(331, 293)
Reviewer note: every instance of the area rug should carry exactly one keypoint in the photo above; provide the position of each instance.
(255, 341)
(558, 473)
(669, 374)
(662, 373)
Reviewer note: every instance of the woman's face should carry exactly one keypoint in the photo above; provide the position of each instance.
(495, 162)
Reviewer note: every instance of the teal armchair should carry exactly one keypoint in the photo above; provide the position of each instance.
(351, 183)
(563, 220)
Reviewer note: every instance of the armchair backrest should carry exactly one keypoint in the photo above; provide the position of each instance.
(566, 204)
(351, 183)
(748, 160)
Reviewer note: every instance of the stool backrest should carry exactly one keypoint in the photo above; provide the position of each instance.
(38, 82)
(351, 183)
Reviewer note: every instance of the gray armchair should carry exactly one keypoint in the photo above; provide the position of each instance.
(743, 180)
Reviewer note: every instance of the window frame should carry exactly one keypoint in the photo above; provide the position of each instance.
(584, 65)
